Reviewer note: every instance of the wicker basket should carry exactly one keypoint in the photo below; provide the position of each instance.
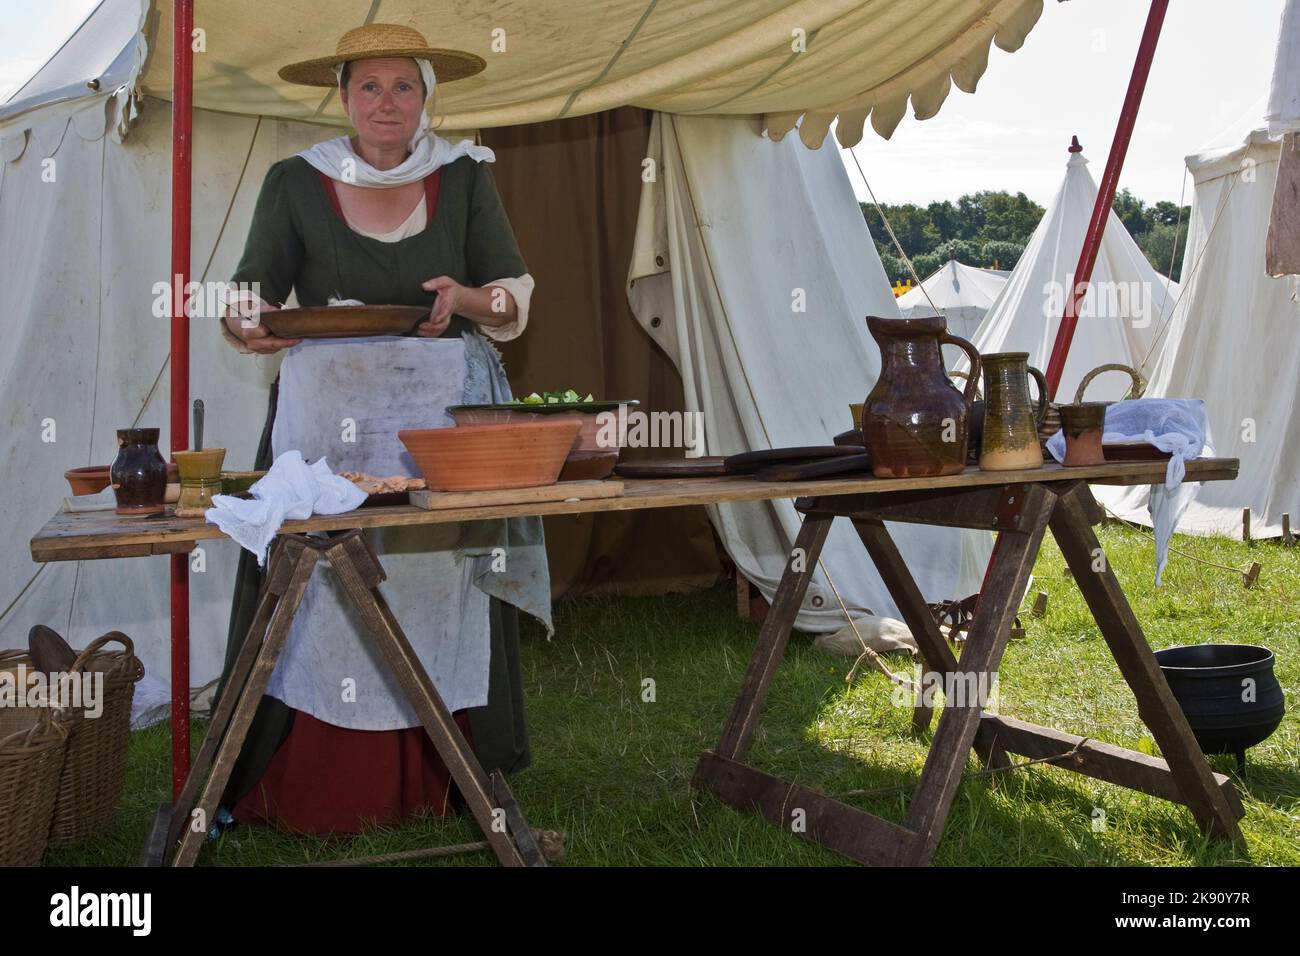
(30, 763)
(95, 769)
(1052, 420)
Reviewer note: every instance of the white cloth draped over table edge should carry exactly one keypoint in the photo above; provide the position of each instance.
(1176, 425)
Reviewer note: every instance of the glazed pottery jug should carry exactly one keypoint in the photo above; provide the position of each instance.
(914, 421)
(1010, 435)
(138, 474)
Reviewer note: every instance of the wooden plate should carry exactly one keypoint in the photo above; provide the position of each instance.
(708, 467)
(344, 321)
(750, 461)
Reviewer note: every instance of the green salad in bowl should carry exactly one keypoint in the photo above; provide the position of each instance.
(566, 397)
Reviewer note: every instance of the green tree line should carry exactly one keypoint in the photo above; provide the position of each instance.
(990, 230)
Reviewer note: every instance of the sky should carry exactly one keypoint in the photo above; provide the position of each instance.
(1211, 68)
(1212, 65)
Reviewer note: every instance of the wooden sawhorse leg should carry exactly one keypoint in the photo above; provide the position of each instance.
(1022, 513)
(1204, 792)
(293, 561)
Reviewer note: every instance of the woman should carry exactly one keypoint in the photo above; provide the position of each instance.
(393, 215)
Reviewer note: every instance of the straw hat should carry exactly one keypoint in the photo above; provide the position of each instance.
(383, 40)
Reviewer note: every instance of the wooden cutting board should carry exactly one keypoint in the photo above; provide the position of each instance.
(560, 491)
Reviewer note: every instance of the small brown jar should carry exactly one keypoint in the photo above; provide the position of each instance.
(139, 474)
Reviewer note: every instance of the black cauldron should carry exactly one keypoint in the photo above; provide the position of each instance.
(1229, 693)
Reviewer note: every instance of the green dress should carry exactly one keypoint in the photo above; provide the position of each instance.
(298, 242)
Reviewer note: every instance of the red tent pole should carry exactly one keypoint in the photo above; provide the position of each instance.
(1106, 194)
(182, 154)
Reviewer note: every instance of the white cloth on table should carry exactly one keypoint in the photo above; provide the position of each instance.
(1175, 425)
(290, 490)
(347, 399)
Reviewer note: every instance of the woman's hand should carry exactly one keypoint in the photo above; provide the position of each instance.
(450, 297)
(256, 335)
(490, 305)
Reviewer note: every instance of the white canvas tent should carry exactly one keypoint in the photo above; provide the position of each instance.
(1121, 312)
(1233, 340)
(962, 294)
(84, 229)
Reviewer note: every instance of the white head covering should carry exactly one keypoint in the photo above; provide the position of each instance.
(338, 160)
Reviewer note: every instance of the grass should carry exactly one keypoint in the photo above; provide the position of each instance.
(611, 770)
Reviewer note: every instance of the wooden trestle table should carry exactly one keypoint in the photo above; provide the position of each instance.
(1020, 505)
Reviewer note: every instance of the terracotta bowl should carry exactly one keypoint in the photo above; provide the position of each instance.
(484, 457)
(588, 458)
(90, 480)
(93, 479)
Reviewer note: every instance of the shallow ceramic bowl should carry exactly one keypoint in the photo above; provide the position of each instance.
(92, 479)
(484, 457)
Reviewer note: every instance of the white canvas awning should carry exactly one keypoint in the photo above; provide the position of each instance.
(553, 58)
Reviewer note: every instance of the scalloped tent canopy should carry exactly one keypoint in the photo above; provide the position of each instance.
(549, 59)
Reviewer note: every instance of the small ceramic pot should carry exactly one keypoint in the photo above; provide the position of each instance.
(1083, 425)
(138, 474)
(200, 480)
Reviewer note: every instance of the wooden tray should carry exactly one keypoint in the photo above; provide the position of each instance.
(1134, 451)
(560, 491)
(708, 467)
(750, 461)
(344, 321)
(805, 471)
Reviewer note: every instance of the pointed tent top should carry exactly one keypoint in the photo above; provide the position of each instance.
(1121, 316)
(1074, 145)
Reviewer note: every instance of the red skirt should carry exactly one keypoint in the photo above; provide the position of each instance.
(328, 779)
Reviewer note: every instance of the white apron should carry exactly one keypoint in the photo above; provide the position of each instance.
(345, 399)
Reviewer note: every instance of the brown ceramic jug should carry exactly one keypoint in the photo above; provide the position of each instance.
(138, 474)
(1009, 439)
(915, 422)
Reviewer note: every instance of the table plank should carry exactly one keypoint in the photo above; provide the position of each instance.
(105, 534)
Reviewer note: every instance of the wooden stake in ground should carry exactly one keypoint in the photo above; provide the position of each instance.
(1245, 525)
